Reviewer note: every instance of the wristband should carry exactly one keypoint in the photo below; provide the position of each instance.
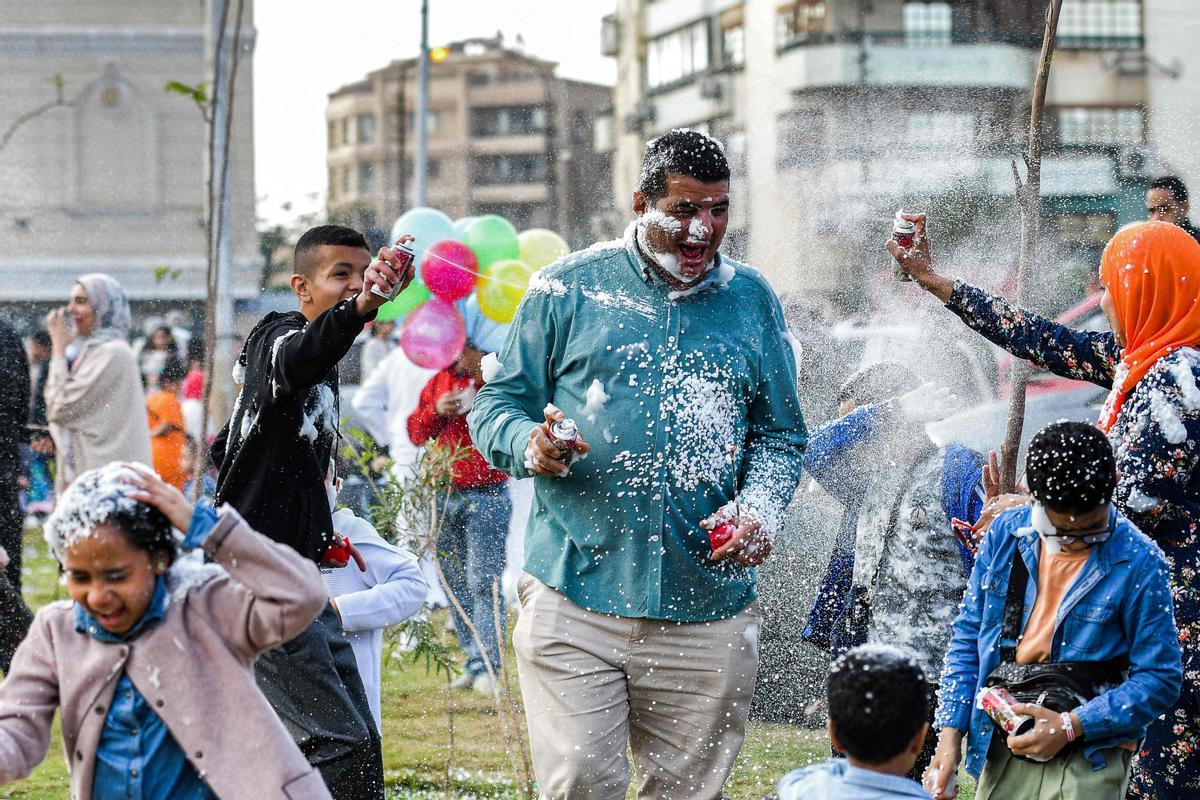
(1069, 726)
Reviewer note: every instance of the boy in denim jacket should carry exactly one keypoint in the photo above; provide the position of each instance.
(1097, 591)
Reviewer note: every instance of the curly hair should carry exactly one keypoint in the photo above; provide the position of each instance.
(102, 496)
(878, 700)
(1071, 468)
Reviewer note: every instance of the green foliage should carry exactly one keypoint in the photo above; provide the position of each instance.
(198, 93)
(163, 272)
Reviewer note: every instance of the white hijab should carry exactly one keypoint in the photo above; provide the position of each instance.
(111, 306)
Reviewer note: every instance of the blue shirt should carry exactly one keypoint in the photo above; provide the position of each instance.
(137, 758)
(836, 779)
(702, 409)
(1118, 605)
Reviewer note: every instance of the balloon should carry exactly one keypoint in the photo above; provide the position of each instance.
(416, 294)
(449, 269)
(427, 225)
(493, 239)
(483, 332)
(433, 336)
(501, 287)
(460, 226)
(541, 248)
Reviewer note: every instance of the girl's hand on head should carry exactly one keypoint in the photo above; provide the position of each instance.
(156, 492)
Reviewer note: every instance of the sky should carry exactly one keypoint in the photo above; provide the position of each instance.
(308, 48)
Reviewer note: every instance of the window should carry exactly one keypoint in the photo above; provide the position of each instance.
(1100, 23)
(366, 128)
(511, 121)
(529, 168)
(798, 21)
(677, 55)
(521, 215)
(733, 46)
(433, 121)
(346, 138)
(1100, 127)
(345, 190)
(433, 168)
(333, 132)
(332, 183)
(1089, 228)
(927, 23)
(942, 129)
(366, 177)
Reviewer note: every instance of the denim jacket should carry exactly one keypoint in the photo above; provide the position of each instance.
(1119, 605)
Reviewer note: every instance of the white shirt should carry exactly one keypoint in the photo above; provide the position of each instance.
(390, 591)
(388, 396)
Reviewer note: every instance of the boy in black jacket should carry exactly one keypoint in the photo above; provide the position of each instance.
(272, 456)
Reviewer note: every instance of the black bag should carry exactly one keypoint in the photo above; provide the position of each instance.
(1059, 686)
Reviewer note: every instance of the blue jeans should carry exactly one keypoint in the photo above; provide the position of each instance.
(471, 551)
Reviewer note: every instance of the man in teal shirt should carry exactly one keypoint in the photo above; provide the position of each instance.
(676, 364)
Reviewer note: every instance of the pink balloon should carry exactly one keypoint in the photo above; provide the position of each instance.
(449, 269)
(433, 335)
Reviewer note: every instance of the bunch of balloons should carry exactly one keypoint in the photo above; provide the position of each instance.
(471, 276)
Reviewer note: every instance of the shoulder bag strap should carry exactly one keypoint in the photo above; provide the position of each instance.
(1014, 608)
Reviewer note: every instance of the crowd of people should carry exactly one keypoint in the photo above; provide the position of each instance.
(1044, 640)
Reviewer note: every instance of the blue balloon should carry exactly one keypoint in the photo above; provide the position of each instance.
(460, 226)
(485, 333)
(426, 225)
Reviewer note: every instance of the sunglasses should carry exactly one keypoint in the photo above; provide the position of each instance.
(1163, 209)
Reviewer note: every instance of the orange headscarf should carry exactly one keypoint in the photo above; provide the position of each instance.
(1152, 273)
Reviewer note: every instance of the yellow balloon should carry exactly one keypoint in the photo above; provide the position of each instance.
(541, 247)
(501, 287)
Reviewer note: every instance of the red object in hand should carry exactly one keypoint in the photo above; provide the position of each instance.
(338, 552)
(719, 536)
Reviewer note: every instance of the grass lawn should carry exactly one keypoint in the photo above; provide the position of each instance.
(418, 729)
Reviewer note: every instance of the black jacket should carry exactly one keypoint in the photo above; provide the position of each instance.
(274, 451)
(14, 401)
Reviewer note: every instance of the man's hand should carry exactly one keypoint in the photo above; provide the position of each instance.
(1048, 735)
(58, 325)
(342, 553)
(449, 405)
(992, 509)
(750, 544)
(154, 491)
(917, 261)
(386, 273)
(542, 456)
(940, 778)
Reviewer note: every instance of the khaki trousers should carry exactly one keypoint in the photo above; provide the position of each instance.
(676, 694)
(1061, 778)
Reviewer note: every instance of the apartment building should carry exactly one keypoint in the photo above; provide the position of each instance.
(506, 136)
(833, 112)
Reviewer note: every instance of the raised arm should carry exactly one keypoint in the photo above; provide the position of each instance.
(1079, 355)
(830, 457)
(300, 358)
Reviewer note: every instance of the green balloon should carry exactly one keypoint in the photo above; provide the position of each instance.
(492, 239)
(410, 298)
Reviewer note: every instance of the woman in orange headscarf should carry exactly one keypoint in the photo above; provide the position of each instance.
(1151, 277)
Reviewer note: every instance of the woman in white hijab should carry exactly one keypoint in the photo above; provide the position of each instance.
(94, 401)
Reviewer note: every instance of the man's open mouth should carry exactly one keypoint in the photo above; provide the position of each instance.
(691, 254)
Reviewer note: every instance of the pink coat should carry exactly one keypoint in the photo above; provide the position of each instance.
(195, 668)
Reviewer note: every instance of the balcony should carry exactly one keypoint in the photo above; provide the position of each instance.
(887, 60)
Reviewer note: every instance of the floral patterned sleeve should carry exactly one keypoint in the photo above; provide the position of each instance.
(1079, 355)
(1158, 451)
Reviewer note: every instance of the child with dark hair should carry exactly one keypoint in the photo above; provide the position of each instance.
(1070, 610)
(273, 455)
(150, 660)
(878, 697)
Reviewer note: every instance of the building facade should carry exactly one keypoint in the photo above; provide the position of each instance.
(836, 112)
(112, 178)
(506, 136)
